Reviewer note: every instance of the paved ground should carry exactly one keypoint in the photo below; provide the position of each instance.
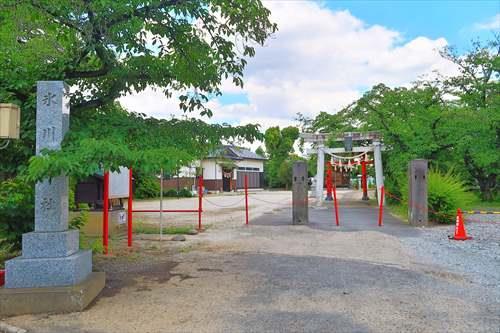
(274, 277)
(218, 210)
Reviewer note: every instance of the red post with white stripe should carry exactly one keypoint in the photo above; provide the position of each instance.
(105, 212)
(246, 198)
(130, 208)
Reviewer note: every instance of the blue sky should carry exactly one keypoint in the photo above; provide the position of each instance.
(454, 20)
(326, 54)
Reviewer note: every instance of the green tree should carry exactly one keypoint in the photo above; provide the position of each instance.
(105, 49)
(477, 117)
(422, 121)
(279, 146)
(108, 48)
(111, 137)
(410, 119)
(285, 170)
(260, 151)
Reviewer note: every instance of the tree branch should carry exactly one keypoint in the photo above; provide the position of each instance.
(142, 12)
(56, 17)
(386, 127)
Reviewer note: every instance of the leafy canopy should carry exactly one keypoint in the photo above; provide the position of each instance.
(105, 49)
(111, 137)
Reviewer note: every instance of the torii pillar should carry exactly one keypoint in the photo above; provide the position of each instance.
(320, 174)
(379, 174)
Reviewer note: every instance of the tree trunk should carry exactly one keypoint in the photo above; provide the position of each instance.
(487, 185)
(487, 181)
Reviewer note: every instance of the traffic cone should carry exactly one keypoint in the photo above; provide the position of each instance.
(460, 233)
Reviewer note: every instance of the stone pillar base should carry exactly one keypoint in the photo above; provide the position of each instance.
(21, 301)
(22, 272)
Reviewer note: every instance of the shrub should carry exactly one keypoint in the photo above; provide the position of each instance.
(81, 219)
(185, 193)
(170, 193)
(17, 211)
(147, 187)
(7, 252)
(446, 193)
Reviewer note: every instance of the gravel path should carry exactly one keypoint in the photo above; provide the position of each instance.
(478, 258)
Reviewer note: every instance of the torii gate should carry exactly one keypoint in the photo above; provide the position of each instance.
(319, 139)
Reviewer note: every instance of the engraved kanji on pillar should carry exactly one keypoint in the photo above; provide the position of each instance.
(52, 122)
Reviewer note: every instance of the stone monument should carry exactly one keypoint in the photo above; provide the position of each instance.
(300, 204)
(52, 266)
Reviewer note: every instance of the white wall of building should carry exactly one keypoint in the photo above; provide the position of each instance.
(249, 164)
(212, 170)
(190, 170)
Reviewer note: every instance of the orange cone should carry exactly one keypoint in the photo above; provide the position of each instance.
(460, 233)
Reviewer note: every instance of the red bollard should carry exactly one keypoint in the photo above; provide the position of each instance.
(2, 277)
(381, 208)
(246, 198)
(130, 208)
(334, 188)
(200, 200)
(105, 213)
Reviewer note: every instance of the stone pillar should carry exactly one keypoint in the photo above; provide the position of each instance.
(300, 204)
(379, 173)
(417, 193)
(50, 255)
(320, 172)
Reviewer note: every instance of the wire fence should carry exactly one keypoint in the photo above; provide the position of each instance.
(451, 217)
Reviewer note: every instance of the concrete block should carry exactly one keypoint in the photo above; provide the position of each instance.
(14, 302)
(50, 244)
(48, 272)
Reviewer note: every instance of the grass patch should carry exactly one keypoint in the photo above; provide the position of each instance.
(484, 205)
(400, 211)
(142, 228)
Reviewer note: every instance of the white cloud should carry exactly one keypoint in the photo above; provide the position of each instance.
(319, 60)
(492, 23)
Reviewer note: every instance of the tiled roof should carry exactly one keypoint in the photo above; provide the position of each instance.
(235, 153)
(245, 153)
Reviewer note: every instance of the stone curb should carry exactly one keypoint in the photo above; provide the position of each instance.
(6, 328)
